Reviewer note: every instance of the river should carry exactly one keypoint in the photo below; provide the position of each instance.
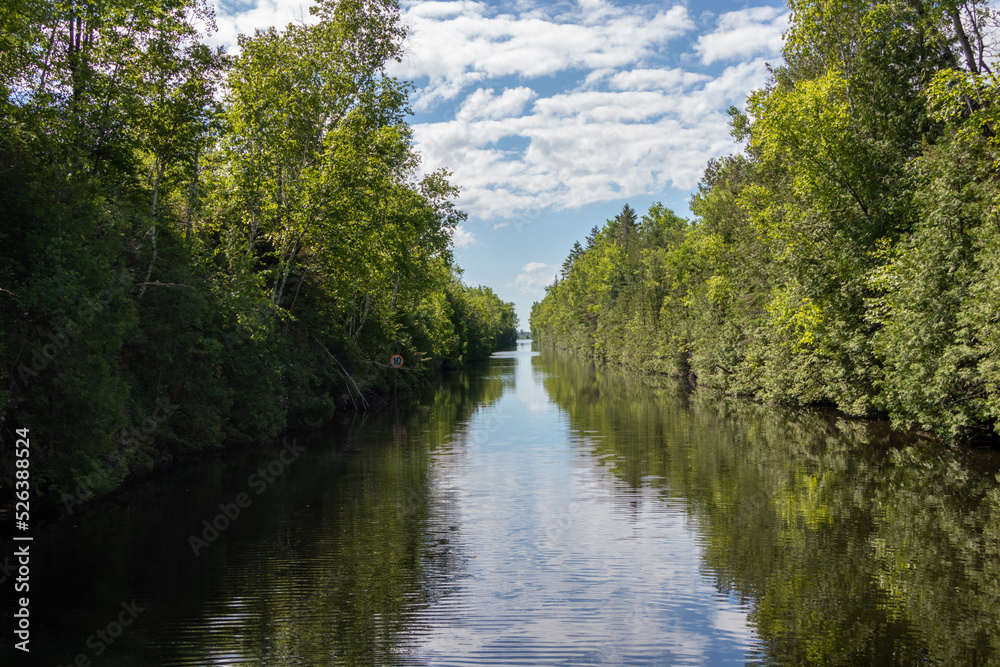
(540, 510)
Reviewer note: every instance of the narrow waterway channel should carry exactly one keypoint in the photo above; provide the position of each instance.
(539, 510)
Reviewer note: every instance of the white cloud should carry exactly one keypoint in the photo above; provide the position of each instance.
(454, 45)
(656, 79)
(585, 146)
(235, 18)
(534, 276)
(462, 237)
(743, 34)
(442, 10)
(483, 104)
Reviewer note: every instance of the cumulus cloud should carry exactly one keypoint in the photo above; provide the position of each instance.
(656, 79)
(743, 34)
(456, 44)
(534, 276)
(618, 121)
(483, 104)
(234, 18)
(586, 146)
(462, 237)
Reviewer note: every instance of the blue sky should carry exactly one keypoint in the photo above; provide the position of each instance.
(553, 115)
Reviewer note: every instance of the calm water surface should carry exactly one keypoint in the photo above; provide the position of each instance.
(537, 510)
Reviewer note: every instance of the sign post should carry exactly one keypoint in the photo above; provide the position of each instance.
(396, 361)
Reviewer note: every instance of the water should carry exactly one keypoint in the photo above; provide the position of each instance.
(540, 511)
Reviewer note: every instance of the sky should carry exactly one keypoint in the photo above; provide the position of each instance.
(552, 116)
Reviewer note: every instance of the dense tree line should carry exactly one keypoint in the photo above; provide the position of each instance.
(199, 248)
(848, 255)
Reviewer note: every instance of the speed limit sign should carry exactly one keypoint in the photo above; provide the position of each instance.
(396, 361)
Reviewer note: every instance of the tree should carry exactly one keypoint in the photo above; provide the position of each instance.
(574, 254)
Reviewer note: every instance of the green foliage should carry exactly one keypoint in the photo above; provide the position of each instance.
(613, 301)
(198, 249)
(938, 298)
(848, 258)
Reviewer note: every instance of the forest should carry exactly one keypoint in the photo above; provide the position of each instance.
(847, 254)
(201, 249)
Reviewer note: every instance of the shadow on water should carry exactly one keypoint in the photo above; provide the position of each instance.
(852, 544)
(324, 551)
(541, 510)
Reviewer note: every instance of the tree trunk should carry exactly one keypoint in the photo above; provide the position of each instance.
(192, 194)
(152, 230)
(963, 40)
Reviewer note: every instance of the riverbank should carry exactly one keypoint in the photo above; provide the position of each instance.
(648, 372)
(64, 491)
(662, 294)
